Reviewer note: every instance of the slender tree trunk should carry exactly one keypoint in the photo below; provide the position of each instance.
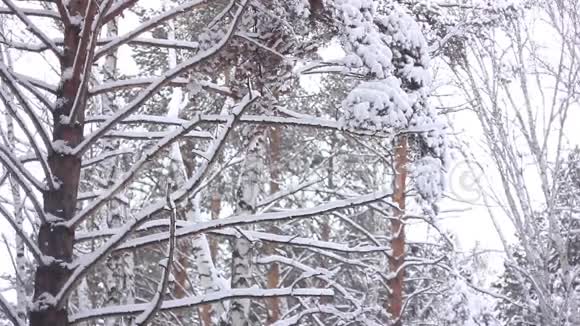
(209, 280)
(182, 263)
(207, 314)
(216, 207)
(119, 271)
(208, 274)
(198, 247)
(239, 312)
(55, 240)
(394, 303)
(273, 276)
(201, 251)
(21, 297)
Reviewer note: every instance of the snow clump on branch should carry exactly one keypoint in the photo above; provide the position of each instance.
(389, 50)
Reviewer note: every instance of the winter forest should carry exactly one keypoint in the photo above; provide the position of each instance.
(289, 162)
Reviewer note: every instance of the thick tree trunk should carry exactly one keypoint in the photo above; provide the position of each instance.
(55, 240)
(394, 303)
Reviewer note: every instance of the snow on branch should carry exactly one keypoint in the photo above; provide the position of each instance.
(21, 179)
(245, 219)
(257, 235)
(269, 200)
(129, 175)
(155, 21)
(34, 86)
(84, 263)
(32, 12)
(11, 82)
(104, 156)
(155, 304)
(154, 87)
(14, 112)
(32, 27)
(318, 272)
(304, 121)
(365, 45)
(15, 166)
(208, 298)
(144, 82)
(148, 135)
(163, 43)
(301, 121)
(36, 253)
(319, 309)
(304, 242)
(153, 42)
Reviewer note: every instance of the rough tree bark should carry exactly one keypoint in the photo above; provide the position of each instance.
(55, 240)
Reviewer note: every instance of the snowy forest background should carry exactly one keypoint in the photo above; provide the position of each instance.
(290, 162)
